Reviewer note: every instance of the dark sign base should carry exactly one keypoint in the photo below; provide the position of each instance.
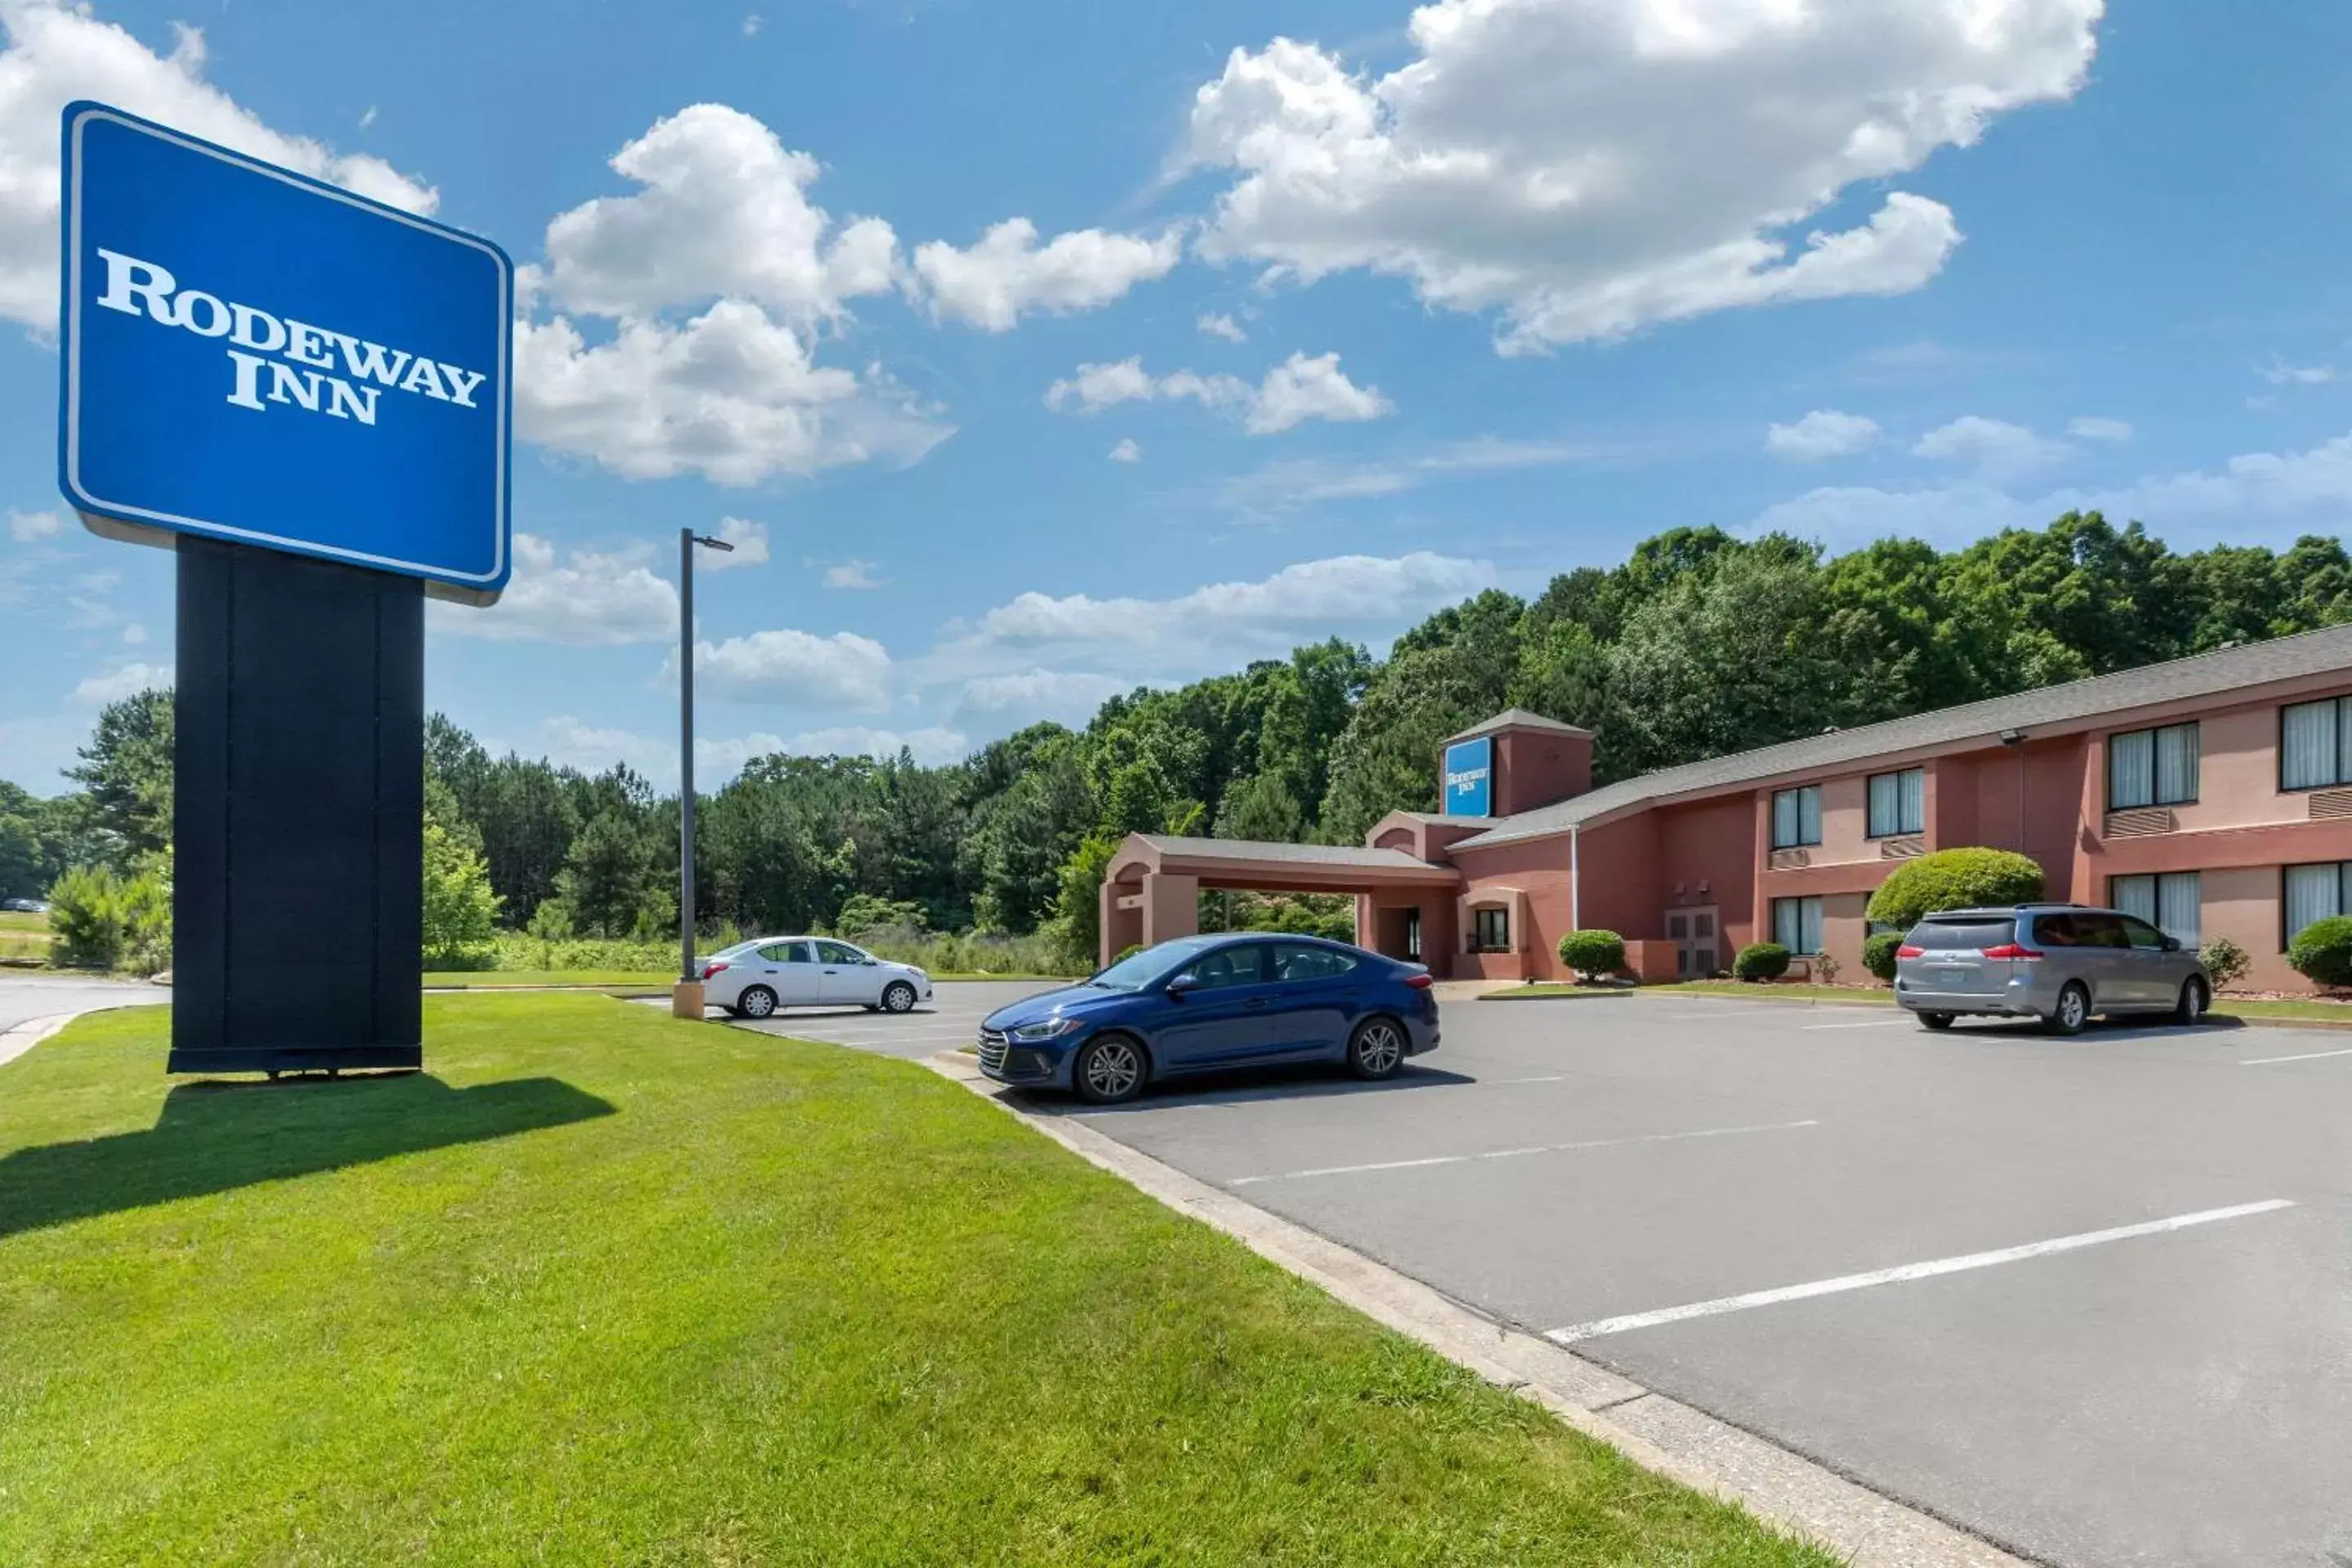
(299, 770)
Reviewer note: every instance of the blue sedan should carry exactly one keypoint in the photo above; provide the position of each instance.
(1204, 1003)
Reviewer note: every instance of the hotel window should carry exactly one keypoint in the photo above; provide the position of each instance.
(1796, 816)
(2152, 767)
(2316, 893)
(1491, 929)
(2169, 901)
(2315, 744)
(1898, 802)
(1797, 924)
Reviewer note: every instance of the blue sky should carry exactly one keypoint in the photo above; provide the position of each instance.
(1560, 249)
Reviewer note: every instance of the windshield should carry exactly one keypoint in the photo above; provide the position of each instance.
(1138, 970)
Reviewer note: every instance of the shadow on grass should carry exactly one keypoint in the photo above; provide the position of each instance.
(216, 1135)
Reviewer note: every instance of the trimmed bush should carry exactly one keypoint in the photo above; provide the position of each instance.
(2321, 951)
(1593, 955)
(2225, 962)
(1760, 961)
(1954, 879)
(101, 920)
(1878, 954)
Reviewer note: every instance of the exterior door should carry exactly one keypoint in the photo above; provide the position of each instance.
(1692, 932)
(789, 969)
(844, 977)
(1223, 1019)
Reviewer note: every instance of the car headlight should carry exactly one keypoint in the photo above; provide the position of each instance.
(1044, 1030)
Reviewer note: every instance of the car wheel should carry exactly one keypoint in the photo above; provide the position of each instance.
(897, 997)
(1110, 1068)
(2073, 1010)
(1377, 1050)
(1935, 1020)
(757, 1003)
(2194, 1000)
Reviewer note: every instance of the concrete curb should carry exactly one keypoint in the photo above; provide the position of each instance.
(1779, 1486)
(17, 1041)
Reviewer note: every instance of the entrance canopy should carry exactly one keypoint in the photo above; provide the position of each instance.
(1149, 893)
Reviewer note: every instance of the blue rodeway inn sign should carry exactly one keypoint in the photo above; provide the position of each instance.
(258, 358)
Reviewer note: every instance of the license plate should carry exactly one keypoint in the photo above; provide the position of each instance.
(1952, 976)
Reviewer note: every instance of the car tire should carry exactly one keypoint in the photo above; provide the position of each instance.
(2073, 1010)
(1377, 1050)
(757, 1002)
(1111, 1070)
(2195, 997)
(899, 996)
(1935, 1020)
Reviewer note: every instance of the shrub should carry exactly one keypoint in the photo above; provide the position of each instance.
(101, 920)
(1593, 955)
(1878, 954)
(1825, 968)
(1954, 879)
(863, 912)
(2225, 962)
(459, 908)
(1760, 961)
(2321, 951)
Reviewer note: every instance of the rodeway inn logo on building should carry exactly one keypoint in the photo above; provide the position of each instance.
(278, 359)
(1466, 780)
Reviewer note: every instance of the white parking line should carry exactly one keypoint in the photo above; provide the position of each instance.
(2306, 1057)
(1515, 1153)
(1867, 1024)
(1631, 1321)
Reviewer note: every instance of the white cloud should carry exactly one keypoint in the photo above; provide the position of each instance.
(1127, 451)
(733, 395)
(594, 748)
(1066, 694)
(134, 634)
(1336, 591)
(722, 211)
(58, 52)
(1297, 389)
(24, 527)
(124, 680)
(2278, 372)
(2255, 498)
(1588, 167)
(1995, 446)
(752, 25)
(1824, 433)
(367, 117)
(1008, 275)
(593, 600)
(852, 573)
(2097, 427)
(844, 670)
(1222, 326)
(749, 539)
(933, 745)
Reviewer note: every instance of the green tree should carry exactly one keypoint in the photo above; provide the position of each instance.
(1077, 903)
(1262, 808)
(127, 769)
(608, 880)
(460, 908)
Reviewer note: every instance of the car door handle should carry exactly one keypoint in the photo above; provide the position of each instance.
(1254, 1002)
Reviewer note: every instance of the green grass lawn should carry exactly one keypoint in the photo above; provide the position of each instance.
(24, 935)
(604, 1288)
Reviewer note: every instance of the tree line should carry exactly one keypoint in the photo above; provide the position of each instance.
(1698, 644)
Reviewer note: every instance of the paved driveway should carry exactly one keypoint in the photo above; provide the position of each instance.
(2092, 1299)
(36, 995)
(950, 1019)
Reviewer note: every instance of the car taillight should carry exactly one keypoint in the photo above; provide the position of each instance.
(1420, 982)
(2011, 950)
(713, 967)
(1907, 950)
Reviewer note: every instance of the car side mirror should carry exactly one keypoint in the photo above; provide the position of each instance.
(1182, 985)
(2172, 944)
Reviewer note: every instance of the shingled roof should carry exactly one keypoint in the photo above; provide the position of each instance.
(1516, 719)
(2202, 675)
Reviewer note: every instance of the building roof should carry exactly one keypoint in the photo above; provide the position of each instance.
(1440, 819)
(2201, 675)
(1349, 855)
(1516, 719)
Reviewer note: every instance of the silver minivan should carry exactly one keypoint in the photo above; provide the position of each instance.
(2057, 962)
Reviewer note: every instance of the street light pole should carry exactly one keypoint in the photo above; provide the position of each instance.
(685, 999)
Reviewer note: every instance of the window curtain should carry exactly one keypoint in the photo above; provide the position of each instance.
(1784, 819)
(2176, 764)
(2313, 893)
(1808, 816)
(1809, 925)
(2308, 745)
(2131, 770)
(1912, 813)
(2135, 896)
(1785, 922)
(1886, 804)
(2179, 896)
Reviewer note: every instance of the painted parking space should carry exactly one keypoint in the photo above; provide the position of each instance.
(1925, 1260)
(950, 1019)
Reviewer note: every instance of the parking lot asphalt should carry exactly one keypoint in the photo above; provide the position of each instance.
(2089, 1298)
(25, 996)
